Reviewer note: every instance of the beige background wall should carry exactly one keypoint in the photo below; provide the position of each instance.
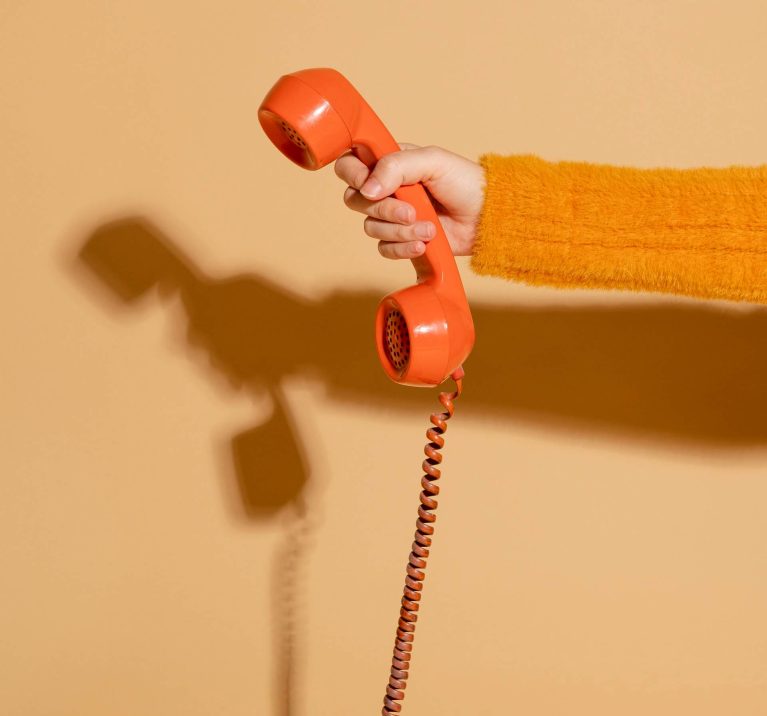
(207, 486)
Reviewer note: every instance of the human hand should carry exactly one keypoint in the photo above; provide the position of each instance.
(455, 186)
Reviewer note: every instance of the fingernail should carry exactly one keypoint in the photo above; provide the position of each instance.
(419, 247)
(403, 213)
(370, 188)
(425, 229)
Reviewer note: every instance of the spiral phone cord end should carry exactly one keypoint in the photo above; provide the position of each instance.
(408, 615)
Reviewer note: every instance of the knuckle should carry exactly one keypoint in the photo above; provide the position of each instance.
(391, 212)
(387, 164)
(349, 196)
(380, 211)
(359, 179)
(341, 167)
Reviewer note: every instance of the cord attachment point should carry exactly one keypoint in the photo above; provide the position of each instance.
(458, 374)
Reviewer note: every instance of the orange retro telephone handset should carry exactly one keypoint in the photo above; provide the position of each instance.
(423, 332)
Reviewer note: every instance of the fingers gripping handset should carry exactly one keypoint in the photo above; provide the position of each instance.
(423, 332)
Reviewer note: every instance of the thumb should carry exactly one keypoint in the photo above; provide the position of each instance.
(409, 166)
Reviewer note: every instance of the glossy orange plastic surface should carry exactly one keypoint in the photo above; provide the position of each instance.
(313, 117)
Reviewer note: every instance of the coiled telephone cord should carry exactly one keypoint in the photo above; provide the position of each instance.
(403, 643)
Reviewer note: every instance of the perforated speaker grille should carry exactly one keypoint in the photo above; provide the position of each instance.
(396, 339)
(292, 135)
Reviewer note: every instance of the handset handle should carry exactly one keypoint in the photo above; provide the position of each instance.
(372, 142)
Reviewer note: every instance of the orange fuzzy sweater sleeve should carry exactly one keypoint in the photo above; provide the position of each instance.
(698, 232)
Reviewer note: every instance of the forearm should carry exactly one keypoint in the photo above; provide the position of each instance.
(698, 232)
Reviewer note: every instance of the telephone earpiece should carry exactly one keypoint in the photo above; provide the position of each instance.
(424, 332)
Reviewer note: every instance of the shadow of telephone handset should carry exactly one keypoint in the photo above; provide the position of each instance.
(423, 332)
